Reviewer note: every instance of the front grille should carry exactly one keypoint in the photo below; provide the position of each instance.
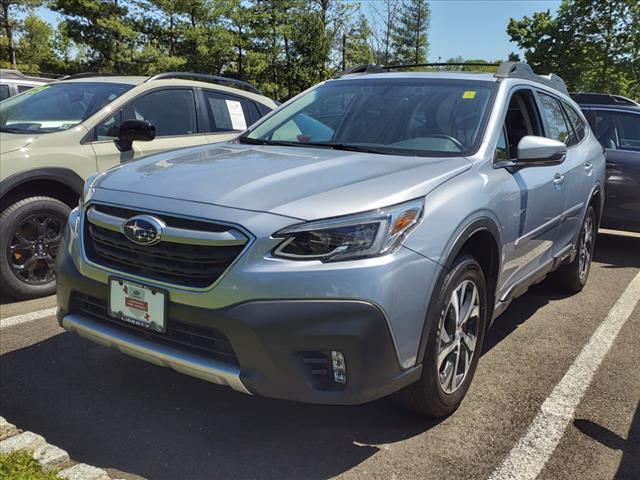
(195, 338)
(181, 264)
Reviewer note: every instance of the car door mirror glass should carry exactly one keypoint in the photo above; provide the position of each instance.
(540, 151)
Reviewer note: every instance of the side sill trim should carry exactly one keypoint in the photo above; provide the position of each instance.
(546, 226)
(162, 355)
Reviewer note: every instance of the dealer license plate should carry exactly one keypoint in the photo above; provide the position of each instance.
(138, 304)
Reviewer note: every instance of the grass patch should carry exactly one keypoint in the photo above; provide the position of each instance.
(21, 466)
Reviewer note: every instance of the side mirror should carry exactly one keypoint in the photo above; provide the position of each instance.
(132, 130)
(540, 152)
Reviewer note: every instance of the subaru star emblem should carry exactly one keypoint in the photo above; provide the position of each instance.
(143, 229)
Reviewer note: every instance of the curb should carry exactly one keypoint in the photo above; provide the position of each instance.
(50, 457)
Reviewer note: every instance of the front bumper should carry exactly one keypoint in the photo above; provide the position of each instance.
(269, 338)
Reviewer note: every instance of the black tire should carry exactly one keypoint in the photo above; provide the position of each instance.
(428, 397)
(30, 234)
(573, 277)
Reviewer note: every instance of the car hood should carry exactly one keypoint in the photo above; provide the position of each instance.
(10, 142)
(300, 182)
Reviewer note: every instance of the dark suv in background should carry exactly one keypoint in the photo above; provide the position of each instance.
(616, 123)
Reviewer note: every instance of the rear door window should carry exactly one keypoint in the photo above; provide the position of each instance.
(554, 119)
(617, 130)
(228, 112)
(4, 92)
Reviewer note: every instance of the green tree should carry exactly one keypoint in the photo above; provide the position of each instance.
(355, 48)
(106, 29)
(11, 9)
(409, 35)
(385, 17)
(592, 44)
(242, 19)
(35, 46)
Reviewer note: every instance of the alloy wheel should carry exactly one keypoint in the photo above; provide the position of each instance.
(33, 248)
(585, 248)
(458, 335)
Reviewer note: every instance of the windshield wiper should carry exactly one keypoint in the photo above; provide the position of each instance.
(353, 148)
(252, 141)
(10, 130)
(279, 143)
(333, 146)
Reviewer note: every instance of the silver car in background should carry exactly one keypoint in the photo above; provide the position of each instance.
(354, 243)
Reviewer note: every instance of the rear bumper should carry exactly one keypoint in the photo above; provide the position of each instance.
(270, 340)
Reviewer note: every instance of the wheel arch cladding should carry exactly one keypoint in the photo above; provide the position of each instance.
(480, 240)
(595, 200)
(60, 183)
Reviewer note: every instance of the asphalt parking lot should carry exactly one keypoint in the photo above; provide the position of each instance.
(137, 420)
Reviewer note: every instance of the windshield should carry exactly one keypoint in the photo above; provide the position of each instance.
(427, 117)
(52, 108)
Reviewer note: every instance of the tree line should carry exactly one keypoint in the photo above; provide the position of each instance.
(282, 46)
(285, 46)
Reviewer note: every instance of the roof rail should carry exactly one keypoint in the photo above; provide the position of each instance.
(443, 64)
(362, 69)
(11, 73)
(6, 73)
(524, 71)
(86, 75)
(603, 99)
(370, 68)
(203, 77)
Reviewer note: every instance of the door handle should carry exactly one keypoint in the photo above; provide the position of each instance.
(588, 167)
(558, 181)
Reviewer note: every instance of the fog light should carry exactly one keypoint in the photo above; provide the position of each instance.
(339, 367)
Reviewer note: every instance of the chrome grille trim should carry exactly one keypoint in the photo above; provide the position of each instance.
(102, 272)
(172, 234)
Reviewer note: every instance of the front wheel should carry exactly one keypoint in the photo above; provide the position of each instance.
(454, 342)
(30, 234)
(573, 277)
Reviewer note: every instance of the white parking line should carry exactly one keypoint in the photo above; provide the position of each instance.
(27, 317)
(528, 457)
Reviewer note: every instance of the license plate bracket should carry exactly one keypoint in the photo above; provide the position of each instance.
(142, 305)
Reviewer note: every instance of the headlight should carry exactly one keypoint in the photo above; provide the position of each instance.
(368, 234)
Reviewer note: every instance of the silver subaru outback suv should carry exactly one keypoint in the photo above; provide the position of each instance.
(354, 243)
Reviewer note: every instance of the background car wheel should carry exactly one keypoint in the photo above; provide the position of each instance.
(573, 277)
(30, 234)
(454, 342)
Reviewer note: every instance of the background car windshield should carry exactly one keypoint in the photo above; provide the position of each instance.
(429, 117)
(52, 108)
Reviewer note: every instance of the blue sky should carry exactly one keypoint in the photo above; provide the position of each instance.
(477, 29)
(472, 28)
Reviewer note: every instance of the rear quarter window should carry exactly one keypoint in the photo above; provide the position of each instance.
(579, 127)
(554, 119)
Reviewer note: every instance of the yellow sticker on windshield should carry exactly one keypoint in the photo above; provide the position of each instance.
(31, 91)
(469, 94)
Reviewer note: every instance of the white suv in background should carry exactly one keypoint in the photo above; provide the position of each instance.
(54, 136)
(13, 82)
